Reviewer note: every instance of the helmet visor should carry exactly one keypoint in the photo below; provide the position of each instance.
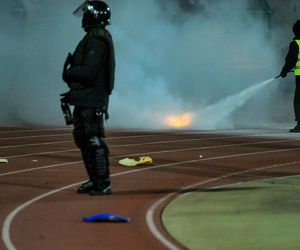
(81, 9)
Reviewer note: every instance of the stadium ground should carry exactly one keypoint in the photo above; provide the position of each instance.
(41, 210)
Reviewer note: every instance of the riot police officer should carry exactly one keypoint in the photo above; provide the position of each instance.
(89, 73)
(292, 61)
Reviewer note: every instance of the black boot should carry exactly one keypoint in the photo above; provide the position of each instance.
(101, 188)
(86, 187)
(296, 129)
(101, 178)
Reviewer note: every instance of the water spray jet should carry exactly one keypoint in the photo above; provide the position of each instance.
(218, 114)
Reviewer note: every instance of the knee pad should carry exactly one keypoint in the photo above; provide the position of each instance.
(80, 138)
(101, 154)
(97, 142)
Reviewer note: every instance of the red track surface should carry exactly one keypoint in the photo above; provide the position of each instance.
(41, 161)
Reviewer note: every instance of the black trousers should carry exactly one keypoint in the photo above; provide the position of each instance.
(297, 99)
(88, 135)
(88, 121)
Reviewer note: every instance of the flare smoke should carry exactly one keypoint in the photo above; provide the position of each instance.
(169, 61)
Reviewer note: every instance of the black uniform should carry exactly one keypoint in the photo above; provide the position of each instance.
(290, 63)
(90, 76)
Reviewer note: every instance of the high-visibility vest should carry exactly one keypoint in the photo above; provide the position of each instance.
(297, 68)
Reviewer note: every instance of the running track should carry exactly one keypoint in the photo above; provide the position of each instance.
(41, 210)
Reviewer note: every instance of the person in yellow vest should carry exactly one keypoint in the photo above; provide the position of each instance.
(292, 61)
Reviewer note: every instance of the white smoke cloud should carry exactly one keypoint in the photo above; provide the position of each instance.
(168, 62)
(177, 63)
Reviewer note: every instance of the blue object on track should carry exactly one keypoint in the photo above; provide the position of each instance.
(106, 218)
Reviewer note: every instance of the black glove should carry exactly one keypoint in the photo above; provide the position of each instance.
(283, 74)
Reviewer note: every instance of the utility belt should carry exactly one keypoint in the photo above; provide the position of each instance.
(65, 107)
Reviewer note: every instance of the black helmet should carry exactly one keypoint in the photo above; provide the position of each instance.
(296, 28)
(93, 13)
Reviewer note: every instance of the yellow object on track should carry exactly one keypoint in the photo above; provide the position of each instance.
(143, 160)
(3, 160)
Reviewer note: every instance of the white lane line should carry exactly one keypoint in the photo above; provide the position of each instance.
(128, 145)
(71, 128)
(151, 211)
(34, 144)
(157, 133)
(39, 168)
(198, 139)
(124, 145)
(22, 130)
(32, 136)
(258, 180)
(68, 134)
(211, 147)
(170, 132)
(116, 146)
(33, 130)
(41, 153)
(127, 137)
(8, 220)
(133, 144)
(152, 226)
(148, 153)
(69, 141)
(6, 225)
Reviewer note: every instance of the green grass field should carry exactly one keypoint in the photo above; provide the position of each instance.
(261, 215)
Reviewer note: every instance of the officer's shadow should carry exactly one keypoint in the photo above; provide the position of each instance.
(180, 191)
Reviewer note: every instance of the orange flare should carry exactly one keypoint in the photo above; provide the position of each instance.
(179, 121)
